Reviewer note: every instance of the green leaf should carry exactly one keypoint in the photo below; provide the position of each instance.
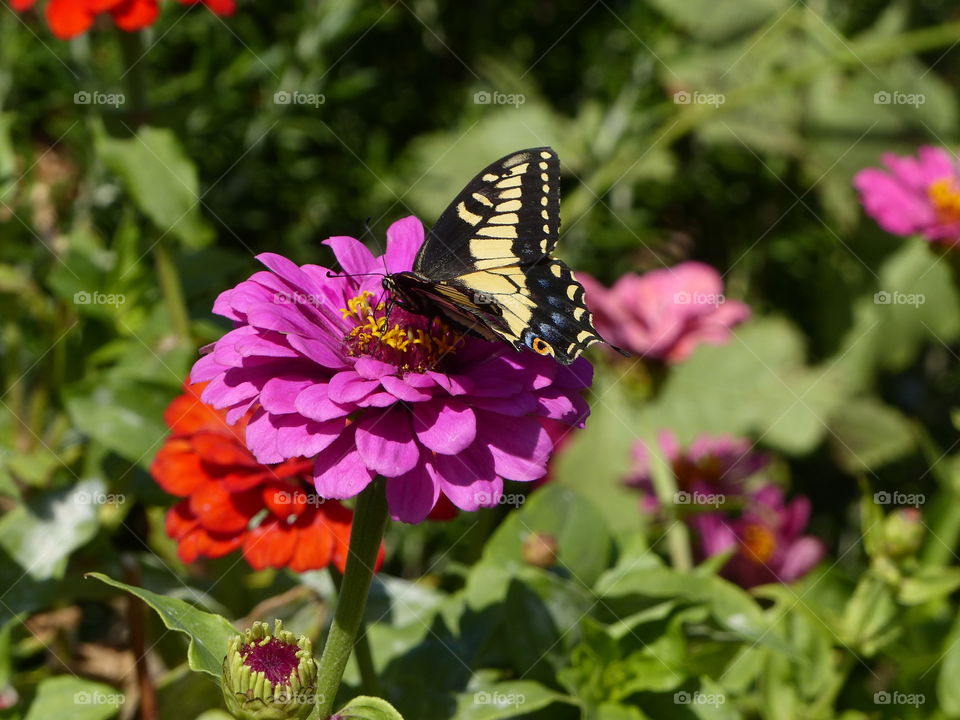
(929, 583)
(584, 544)
(41, 534)
(599, 455)
(368, 708)
(122, 414)
(948, 689)
(209, 633)
(543, 616)
(915, 286)
(505, 700)
(870, 619)
(866, 434)
(612, 711)
(161, 180)
(756, 384)
(712, 20)
(66, 696)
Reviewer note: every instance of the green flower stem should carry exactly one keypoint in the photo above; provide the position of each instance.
(369, 523)
(942, 516)
(369, 683)
(665, 488)
(133, 51)
(172, 291)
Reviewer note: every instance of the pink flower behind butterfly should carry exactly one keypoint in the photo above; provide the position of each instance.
(664, 314)
(767, 539)
(919, 194)
(711, 466)
(329, 378)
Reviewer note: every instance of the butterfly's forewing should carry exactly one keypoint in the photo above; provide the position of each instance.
(510, 211)
(488, 256)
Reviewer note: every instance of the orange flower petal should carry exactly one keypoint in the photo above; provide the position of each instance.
(68, 18)
(133, 15)
(177, 469)
(314, 546)
(222, 511)
(269, 545)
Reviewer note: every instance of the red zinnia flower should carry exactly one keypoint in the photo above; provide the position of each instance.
(69, 18)
(270, 512)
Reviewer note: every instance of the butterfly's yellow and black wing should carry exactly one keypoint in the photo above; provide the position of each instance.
(487, 262)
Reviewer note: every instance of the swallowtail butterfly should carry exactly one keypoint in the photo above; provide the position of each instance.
(487, 265)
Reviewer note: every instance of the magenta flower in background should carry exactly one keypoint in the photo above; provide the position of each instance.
(430, 410)
(664, 314)
(711, 465)
(767, 539)
(918, 194)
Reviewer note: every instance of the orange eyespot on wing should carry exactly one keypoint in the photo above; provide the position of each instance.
(541, 346)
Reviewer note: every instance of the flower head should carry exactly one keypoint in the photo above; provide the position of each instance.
(269, 676)
(767, 539)
(914, 194)
(328, 373)
(270, 512)
(664, 314)
(69, 18)
(711, 465)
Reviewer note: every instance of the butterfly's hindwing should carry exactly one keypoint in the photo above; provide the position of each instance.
(560, 325)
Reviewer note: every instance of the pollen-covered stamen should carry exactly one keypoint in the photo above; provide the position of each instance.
(759, 543)
(945, 196)
(414, 343)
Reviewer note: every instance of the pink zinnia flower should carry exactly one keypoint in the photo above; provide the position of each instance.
(664, 314)
(767, 538)
(430, 410)
(914, 194)
(711, 465)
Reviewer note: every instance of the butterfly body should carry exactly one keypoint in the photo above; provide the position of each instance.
(486, 265)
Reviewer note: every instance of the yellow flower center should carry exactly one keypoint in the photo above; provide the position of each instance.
(945, 196)
(759, 543)
(413, 343)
